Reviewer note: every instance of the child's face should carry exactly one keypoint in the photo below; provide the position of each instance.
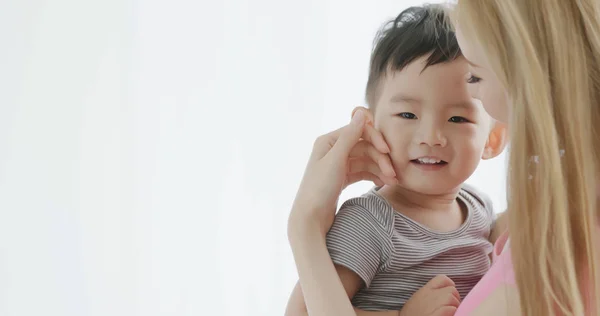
(427, 116)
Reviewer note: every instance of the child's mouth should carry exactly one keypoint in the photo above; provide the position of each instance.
(428, 161)
(429, 164)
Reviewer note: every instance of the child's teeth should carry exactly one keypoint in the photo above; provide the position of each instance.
(428, 160)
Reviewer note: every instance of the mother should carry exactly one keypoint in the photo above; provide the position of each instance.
(536, 66)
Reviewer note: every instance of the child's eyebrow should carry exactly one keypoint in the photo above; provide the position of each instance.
(462, 105)
(401, 98)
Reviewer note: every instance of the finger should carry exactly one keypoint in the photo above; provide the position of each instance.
(325, 142)
(365, 148)
(370, 133)
(440, 281)
(364, 175)
(449, 298)
(368, 116)
(376, 138)
(445, 311)
(455, 293)
(360, 164)
(440, 298)
(348, 137)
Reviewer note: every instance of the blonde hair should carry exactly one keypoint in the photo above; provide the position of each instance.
(546, 53)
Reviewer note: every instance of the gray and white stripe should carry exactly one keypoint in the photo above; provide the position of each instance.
(396, 256)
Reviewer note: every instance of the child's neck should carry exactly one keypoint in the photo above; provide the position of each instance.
(397, 195)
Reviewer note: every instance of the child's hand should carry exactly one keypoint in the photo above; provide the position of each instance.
(352, 153)
(438, 297)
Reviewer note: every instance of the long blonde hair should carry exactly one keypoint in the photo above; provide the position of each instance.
(546, 53)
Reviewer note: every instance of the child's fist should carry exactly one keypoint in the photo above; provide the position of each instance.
(438, 297)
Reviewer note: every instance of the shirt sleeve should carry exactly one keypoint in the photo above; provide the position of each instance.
(486, 202)
(357, 241)
(489, 207)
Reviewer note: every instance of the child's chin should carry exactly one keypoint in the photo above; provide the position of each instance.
(430, 186)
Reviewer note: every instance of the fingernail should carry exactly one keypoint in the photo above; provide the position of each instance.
(358, 117)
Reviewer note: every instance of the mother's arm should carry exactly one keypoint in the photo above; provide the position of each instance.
(319, 282)
(351, 282)
(329, 170)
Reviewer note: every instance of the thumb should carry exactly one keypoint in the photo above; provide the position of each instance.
(440, 281)
(349, 136)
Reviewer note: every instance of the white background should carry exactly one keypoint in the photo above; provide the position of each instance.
(150, 150)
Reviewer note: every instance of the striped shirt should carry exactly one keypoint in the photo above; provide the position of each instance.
(395, 256)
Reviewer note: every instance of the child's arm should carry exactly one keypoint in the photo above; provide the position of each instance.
(351, 282)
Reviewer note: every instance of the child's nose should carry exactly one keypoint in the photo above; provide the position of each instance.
(432, 136)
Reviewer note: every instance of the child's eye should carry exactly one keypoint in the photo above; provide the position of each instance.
(473, 79)
(458, 119)
(407, 115)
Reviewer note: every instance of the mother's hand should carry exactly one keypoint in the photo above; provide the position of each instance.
(350, 154)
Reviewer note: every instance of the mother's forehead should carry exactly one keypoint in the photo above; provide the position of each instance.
(469, 48)
(463, 42)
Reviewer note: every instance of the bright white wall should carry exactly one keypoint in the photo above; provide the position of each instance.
(150, 150)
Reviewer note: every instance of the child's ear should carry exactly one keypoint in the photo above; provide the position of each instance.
(496, 141)
(368, 113)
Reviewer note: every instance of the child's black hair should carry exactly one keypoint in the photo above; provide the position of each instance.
(414, 33)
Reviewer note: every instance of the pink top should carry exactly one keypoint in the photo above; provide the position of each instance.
(501, 273)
